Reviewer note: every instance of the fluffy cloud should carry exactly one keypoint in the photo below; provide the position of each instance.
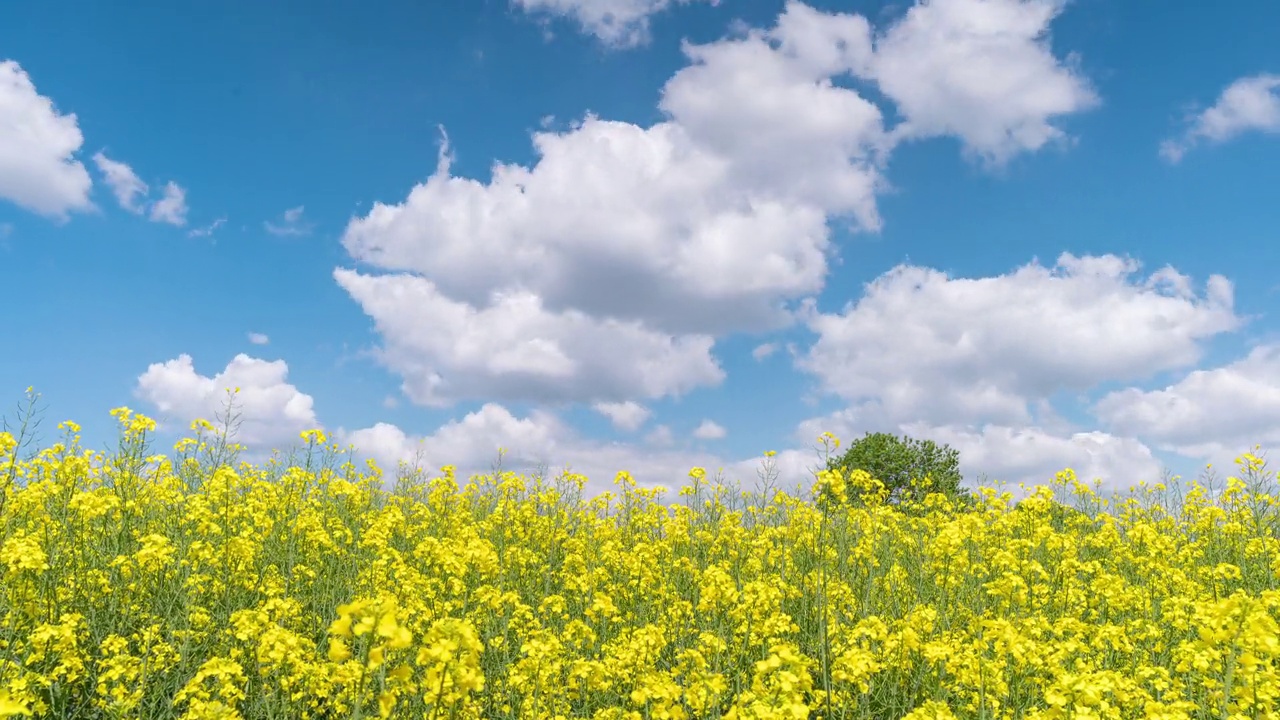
(620, 23)
(1212, 414)
(171, 208)
(291, 223)
(123, 181)
(709, 430)
(38, 169)
(1248, 104)
(131, 192)
(628, 416)
(471, 444)
(981, 71)
(712, 221)
(767, 106)
(448, 351)
(1033, 456)
(921, 346)
(541, 441)
(626, 222)
(272, 412)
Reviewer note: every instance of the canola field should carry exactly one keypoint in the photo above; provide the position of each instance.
(141, 586)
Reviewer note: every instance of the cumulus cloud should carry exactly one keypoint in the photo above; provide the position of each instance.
(541, 441)
(1033, 456)
(981, 71)
(291, 223)
(38, 168)
(921, 346)
(272, 411)
(622, 221)
(1212, 414)
(123, 181)
(618, 23)
(258, 338)
(628, 416)
(712, 221)
(709, 430)
(471, 444)
(1248, 104)
(171, 208)
(448, 351)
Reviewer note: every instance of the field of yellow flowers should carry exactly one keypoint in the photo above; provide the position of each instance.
(138, 586)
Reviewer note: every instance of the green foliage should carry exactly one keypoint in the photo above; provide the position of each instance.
(897, 462)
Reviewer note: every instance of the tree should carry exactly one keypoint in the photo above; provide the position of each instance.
(897, 461)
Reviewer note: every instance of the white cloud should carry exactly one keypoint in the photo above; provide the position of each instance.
(131, 193)
(628, 416)
(172, 207)
(258, 338)
(471, 443)
(1213, 414)
(448, 351)
(714, 220)
(981, 71)
(272, 412)
(660, 436)
(1033, 456)
(619, 23)
(38, 169)
(1248, 104)
(709, 430)
(123, 181)
(209, 229)
(920, 346)
(291, 223)
(540, 439)
(766, 104)
(615, 219)
(764, 350)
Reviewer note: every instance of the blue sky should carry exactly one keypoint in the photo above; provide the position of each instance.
(677, 235)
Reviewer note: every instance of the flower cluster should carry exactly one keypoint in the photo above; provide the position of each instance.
(138, 585)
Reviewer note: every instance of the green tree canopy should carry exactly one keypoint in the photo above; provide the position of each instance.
(897, 461)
